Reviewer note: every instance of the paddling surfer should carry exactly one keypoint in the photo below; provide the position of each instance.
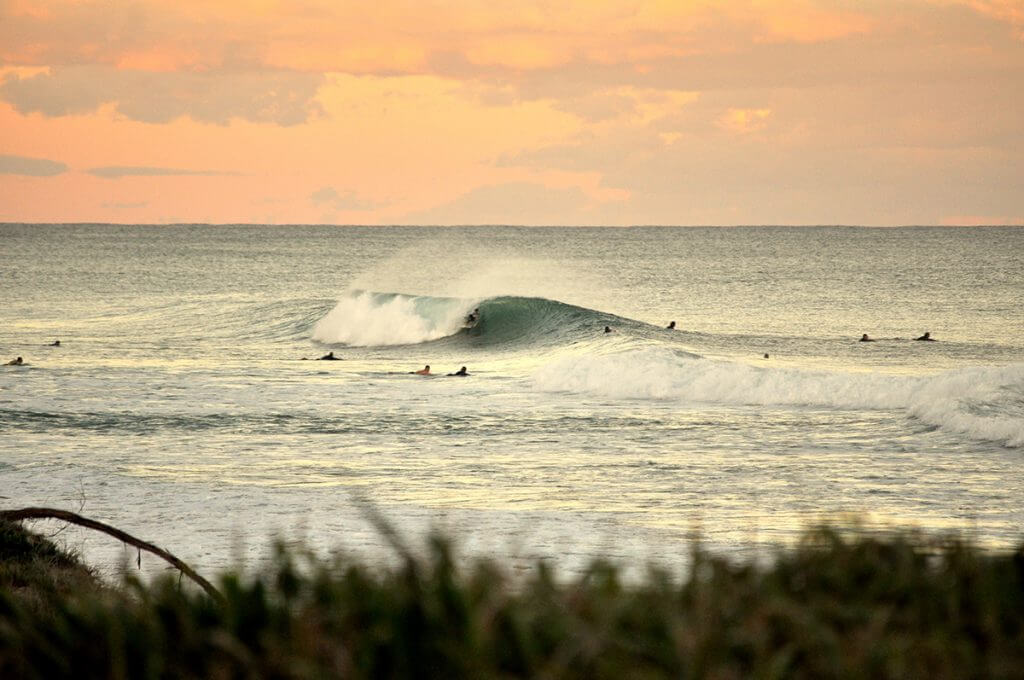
(423, 371)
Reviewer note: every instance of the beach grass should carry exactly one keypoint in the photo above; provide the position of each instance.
(840, 604)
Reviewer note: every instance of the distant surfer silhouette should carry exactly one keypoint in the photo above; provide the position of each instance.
(461, 372)
(473, 316)
(671, 325)
(423, 371)
(607, 329)
(15, 362)
(55, 343)
(865, 338)
(927, 337)
(330, 357)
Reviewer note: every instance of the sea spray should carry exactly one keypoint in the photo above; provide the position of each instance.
(367, 319)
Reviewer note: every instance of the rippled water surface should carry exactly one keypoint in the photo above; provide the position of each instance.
(186, 404)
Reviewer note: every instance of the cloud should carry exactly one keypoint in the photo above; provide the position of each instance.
(329, 197)
(399, 36)
(700, 111)
(743, 121)
(520, 203)
(125, 205)
(31, 167)
(119, 171)
(1009, 11)
(825, 157)
(278, 97)
(981, 221)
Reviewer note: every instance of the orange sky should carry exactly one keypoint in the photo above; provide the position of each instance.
(535, 112)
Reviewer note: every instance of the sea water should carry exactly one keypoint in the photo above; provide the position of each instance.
(186, 403)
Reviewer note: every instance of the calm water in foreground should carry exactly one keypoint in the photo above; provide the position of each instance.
(178, 406)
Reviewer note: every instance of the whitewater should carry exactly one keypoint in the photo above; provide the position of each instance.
(187, 402)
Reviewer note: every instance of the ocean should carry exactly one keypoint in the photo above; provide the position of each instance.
(186, 403)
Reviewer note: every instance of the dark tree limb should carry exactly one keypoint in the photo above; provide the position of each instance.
(73, 518)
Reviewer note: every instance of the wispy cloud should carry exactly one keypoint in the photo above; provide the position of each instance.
(512, 203)
(119, 171)
(278, 97)
(743, 121)
(125, 205)
(30, 167)
(981, 221)
(330, 197)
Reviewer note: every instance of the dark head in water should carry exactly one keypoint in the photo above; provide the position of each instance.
(865, 338)
(671, 325)
(330, 357)
(927, 336)
(607, 329)
(461, 371)
(16, 362)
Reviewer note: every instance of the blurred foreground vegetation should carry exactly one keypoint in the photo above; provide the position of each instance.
(837, 605)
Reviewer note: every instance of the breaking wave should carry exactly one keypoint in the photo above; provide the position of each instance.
(984, 403)
(369, 319)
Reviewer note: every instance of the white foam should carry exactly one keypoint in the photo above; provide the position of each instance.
(365, 319)
(984, 403)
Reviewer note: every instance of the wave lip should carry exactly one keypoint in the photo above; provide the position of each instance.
(368, 319)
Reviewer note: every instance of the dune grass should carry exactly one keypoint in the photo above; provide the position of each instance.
(838, 605)
(34, 571)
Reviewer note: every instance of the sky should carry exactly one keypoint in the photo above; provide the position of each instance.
(534, 112)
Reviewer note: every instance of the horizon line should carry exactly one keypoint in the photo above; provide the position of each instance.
(496, 225)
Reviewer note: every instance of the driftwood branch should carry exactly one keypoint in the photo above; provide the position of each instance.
(73, 518)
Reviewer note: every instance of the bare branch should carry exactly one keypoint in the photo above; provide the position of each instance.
(73, 518)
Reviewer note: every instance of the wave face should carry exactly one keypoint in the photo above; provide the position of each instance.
(984, 403)
(368, 319)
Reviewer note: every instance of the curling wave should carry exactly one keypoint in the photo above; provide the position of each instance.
(369, 319)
